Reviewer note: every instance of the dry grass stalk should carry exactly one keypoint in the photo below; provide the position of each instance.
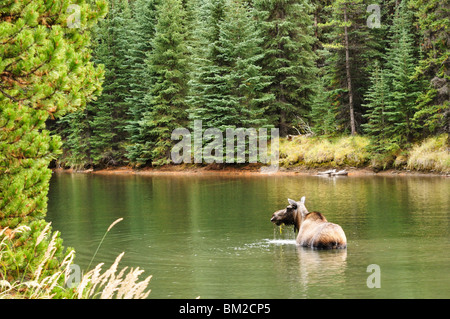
(109, 285)
(43, 234)
(36, 287)
(103, 238)
(93, 284)
(114, 223)
(51, 249)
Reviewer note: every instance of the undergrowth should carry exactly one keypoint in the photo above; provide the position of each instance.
(430, 155)
(318, 151)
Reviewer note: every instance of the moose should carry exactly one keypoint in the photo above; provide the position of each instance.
(313, 228)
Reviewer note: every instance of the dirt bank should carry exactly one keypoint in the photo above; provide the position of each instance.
(249, 169)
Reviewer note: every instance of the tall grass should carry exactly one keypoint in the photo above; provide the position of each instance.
(32, 285)
(109, 284)
(317, 152)
(431, 155)
(113, 285)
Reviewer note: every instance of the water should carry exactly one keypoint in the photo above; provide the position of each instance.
(211, 236)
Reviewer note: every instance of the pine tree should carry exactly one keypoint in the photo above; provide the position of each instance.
(377, 98)
(404, 90)
(95, 135)
(228, 90)
(46, 72)
(208, 66)
(228, 85)
(323, 112)
(110, 111)
(434, 67)
(351, 49)
(287, 28)
(140, 45)
(168, 65)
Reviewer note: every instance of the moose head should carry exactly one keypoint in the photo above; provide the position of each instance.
(293, 214)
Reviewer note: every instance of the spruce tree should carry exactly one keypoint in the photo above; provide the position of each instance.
(140, 45)
(352, 48)
(168, 65)
(289, 60)
(110, 111)
(46, 72)
(323, 113)
(433, 115)
(377, 98)
(96, 135)
(228, 89)
(239, 45)
(404, 90)
(207, 80)
(75, 133)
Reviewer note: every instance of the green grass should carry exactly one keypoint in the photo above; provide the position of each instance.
(319, 151)
(431, 155)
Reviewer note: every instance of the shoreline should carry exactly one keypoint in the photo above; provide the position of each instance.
(244, 170)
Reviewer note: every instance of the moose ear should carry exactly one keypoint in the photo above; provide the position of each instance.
(303, 200)
(292, 202)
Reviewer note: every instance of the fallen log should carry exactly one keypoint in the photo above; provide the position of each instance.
(329, 172)
(332, 172)
(341, 173)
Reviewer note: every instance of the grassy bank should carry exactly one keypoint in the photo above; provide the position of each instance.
(431, 155)
(318, 153)
(313, 152)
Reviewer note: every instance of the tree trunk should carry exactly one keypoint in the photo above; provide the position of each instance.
(282, 98)
(282, 124)
(349, 80)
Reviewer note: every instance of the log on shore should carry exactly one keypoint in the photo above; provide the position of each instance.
(333, 172)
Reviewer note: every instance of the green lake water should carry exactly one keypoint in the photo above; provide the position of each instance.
(211, 236)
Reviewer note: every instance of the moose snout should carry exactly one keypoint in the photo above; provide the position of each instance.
(276, 217)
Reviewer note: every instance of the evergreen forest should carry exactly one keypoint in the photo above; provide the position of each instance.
(325, 68)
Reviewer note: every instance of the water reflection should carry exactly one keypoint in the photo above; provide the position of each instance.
(322, 266)
(305, 269)
(192, 233)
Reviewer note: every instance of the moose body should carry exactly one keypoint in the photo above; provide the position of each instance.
(313, 228)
